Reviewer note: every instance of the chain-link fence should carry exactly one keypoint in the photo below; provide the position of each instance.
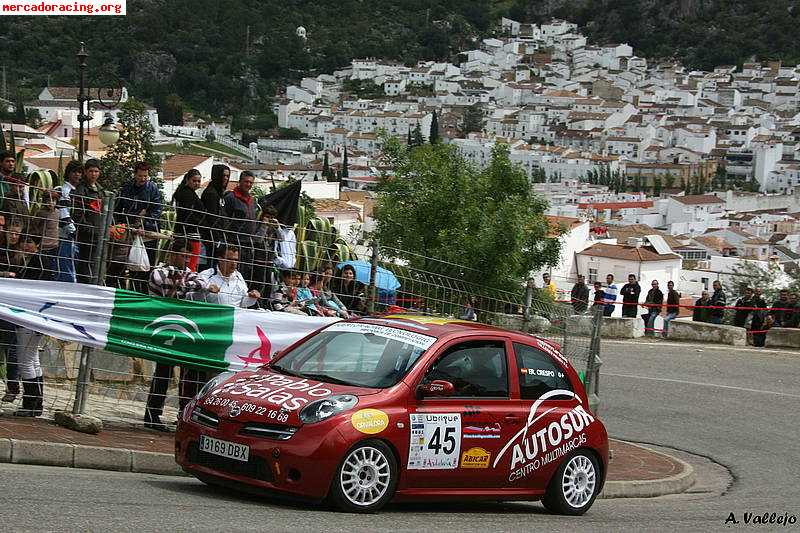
(244, 254)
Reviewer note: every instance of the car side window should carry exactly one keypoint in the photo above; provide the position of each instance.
(539, 373)
(477, 369)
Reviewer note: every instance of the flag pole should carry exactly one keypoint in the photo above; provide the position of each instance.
(98, 277)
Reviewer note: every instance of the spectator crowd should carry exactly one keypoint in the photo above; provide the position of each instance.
(750, 310)
(226, 248)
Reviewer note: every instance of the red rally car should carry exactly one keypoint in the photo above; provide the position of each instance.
(402, 408)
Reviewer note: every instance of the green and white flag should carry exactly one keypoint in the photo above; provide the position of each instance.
(160, 329)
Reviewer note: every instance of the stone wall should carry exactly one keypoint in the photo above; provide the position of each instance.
(687, 330)
(784, 338)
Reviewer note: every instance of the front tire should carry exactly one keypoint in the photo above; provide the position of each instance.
(366, 478)
(574, 486)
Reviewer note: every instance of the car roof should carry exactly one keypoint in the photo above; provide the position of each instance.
(434, 326)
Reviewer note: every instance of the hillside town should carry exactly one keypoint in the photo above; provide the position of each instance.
(697, 169)
(499, 267)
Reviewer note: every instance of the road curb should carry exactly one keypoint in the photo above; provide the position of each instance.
(139, 461)
(91, 457)
(652, 487)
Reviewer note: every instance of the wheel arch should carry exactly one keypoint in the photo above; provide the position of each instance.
(601, 472)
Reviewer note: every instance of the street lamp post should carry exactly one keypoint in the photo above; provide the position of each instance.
(83, 99)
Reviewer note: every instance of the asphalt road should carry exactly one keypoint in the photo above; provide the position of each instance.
(737, 407)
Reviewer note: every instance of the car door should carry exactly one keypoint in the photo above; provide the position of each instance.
(554, 420)
(454, 439)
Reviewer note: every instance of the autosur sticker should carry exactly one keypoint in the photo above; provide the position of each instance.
(475, 458)
(369, 421)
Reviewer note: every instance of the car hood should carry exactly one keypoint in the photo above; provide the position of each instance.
(269, 397)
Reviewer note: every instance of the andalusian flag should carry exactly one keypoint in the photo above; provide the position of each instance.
(160, 329)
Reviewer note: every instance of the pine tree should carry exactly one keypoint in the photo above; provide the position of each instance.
(416, 137)
(19, 111)
(135, 144)
(345, 171)
(326, 167)
(408, 139)
(433, 136)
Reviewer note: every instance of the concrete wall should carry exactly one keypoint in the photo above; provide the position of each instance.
(622, 328)
(686, 329)
(784, 338)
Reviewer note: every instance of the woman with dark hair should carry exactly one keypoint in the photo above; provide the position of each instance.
(190, 214)
(350, 292)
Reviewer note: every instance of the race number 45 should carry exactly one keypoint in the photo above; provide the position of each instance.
(435, 441)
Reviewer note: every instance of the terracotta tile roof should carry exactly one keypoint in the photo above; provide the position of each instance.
(50, 163)
(627, 253)
(180, 164)
(698, 199)
(623, 233)
(71, 93)
(715, 243)
(334, 206)
(615, 205)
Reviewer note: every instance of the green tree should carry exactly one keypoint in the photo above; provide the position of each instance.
(19, 111)
(326, 167)
(345, 170)
(669, 181)
(135, 144)
(433, 136)
(657, 187)
(495, 224)
(472, 120)
(416, 136)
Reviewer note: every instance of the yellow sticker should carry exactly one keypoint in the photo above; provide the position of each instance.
(436, 321)
(475, 458)
(369, 421)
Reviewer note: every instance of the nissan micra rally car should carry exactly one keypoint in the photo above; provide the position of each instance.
(402, 408)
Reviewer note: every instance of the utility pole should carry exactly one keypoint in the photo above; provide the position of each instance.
(82, 99)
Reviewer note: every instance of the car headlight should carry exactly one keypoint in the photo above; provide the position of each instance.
(321, 409)
(214, 382)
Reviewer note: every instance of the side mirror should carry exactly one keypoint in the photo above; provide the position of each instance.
(436, 388)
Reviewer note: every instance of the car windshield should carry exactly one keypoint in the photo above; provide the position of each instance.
(358, 354)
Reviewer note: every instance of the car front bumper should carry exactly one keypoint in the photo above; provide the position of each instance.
(302, 465)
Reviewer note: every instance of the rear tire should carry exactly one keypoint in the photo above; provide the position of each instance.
(574, 486)
(366, 478)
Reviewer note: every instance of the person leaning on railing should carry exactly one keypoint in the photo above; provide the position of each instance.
(213, 199)
(264, 243)
(88, 215)
(718, 300)
(15, 206)
(701, 311)
(67, 228)
(44, 229)
(8, 331)
(190, 214)
(579, 295)
(240, 208)
(350, 291)
(329, 304)
(653, 302)
(792, 318)
(172, 280)
(139, 205)
(26, 263)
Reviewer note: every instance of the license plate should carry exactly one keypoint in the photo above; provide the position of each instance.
(223, 448)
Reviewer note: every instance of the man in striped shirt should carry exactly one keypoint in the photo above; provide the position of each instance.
(611, 291)
(172, 280)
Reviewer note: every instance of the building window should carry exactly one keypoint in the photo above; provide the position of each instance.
(592, 275)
